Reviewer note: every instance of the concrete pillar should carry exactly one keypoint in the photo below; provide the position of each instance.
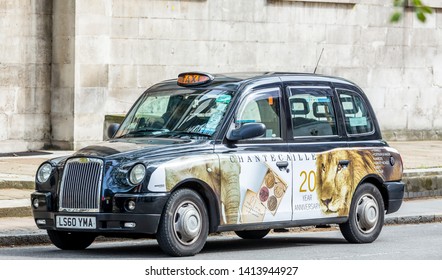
(92, 47)
(63, 74)
(79, 71)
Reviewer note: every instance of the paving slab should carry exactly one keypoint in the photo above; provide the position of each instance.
(419, 154)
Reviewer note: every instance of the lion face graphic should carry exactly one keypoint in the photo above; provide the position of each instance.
(337, 174)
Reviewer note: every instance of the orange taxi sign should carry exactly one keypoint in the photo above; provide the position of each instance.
(193, 78)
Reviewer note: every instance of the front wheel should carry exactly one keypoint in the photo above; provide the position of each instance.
(71, 240)
(184, 224)
(366, 216)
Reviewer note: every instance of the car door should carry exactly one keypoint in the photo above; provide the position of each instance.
(261, 165)
(316, 133)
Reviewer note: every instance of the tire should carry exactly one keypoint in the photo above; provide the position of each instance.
(366, 216)
(71, 240)
(252, 234)
(184, 224)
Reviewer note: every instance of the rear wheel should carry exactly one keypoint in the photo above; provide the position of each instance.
(184, 225)
(366, 216)
(71, 240)
(252, 234)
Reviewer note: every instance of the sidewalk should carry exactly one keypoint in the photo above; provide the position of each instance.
(422, 162)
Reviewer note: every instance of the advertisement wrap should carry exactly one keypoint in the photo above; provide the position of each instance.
(251, 188)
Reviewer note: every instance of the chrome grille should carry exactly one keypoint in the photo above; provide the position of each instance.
(81, 185)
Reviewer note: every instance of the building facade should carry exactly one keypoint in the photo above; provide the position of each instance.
(67, 64)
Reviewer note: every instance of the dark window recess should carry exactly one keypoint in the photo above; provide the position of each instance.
(262, 107)
(357, 117)
(312, 112)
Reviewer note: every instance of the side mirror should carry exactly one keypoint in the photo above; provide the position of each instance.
(112, 129)
(247, 131)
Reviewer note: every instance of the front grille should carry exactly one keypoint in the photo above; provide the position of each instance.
(81, 185)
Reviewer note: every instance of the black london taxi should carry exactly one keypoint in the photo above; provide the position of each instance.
(244, 152)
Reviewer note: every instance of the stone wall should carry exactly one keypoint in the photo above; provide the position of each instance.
(25, 74)
(398, 65)
(105, 53)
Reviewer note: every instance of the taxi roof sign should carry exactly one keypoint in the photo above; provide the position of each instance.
(189, 79)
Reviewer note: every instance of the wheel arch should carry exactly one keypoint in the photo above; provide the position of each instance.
(209, 197)
(366, 216)
(378, 182)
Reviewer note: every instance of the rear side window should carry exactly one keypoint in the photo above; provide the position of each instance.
(356, 115)
(312, 112)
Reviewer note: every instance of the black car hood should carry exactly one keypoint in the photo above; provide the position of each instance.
(143, 147)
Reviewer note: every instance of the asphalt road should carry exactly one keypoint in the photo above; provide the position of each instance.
(404, 242)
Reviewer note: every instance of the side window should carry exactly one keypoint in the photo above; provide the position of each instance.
(263, 107)
(312, 112)
(357, 117)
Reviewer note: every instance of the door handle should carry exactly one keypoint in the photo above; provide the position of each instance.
(344, 163)
(282, 165)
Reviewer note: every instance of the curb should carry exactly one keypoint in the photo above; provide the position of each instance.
(24, 239)
(422, 219)
(41, 239)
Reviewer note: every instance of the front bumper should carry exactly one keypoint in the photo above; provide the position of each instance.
(395, 191)
(144, 219)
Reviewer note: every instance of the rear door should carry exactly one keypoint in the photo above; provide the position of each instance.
(315, 136)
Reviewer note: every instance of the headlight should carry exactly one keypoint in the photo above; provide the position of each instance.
(44, 172)
(137, 174)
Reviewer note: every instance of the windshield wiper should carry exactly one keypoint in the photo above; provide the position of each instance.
(187, 133)
(154, 131)
(190, 133)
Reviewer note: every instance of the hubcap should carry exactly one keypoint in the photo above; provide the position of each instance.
(187, 223)
(367, 213)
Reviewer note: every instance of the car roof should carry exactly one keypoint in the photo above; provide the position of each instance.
(233, 81)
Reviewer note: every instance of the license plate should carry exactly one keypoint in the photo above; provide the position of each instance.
(76, 222)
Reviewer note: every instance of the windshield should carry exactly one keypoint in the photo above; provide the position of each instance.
(178, 113)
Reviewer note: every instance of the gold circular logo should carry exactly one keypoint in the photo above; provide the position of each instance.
(270, 179)
(271, 204)
(263, 194)
(279, 191)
